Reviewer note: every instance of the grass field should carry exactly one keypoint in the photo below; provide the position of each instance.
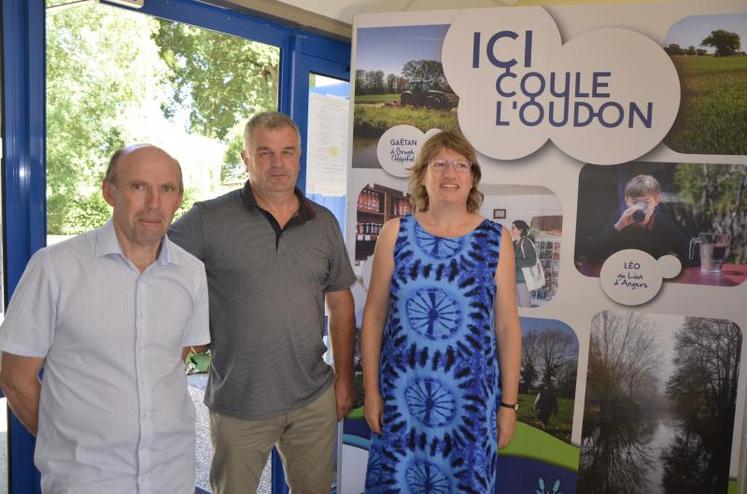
(713, 111)
(372, 121)
(532, 443)
(376, 98)
(560, 423)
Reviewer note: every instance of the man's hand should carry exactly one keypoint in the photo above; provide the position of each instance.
(506, 426)
(344, 395)
(373, 410)
(342, 336)
(19, 380)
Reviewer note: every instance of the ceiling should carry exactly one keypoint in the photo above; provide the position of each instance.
(345, 10)
(336, 16)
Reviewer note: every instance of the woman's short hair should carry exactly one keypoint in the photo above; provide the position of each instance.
(454, 141)
(642, 185)
(522, 226)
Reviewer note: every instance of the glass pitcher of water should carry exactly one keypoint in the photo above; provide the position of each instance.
(713, 250)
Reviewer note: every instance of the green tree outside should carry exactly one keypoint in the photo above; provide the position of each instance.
(99, 64)
(116, 77)
(222, 79)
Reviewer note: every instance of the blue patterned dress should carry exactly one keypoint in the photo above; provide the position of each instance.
(439, 374)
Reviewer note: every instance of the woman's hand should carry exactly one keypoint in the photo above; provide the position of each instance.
(373, 409)
(506, 426)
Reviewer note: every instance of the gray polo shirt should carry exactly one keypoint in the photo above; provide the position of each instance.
(266, 289)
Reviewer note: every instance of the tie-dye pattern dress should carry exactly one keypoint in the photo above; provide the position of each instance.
(439, 374)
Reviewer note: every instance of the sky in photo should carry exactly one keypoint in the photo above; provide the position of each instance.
(665, 328)
(541, 325)
(389, 48)
(691, 31)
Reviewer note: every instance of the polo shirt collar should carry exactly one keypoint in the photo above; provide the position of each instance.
(305, 212)
(107, 243)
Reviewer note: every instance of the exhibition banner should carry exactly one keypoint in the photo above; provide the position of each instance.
(618, 135)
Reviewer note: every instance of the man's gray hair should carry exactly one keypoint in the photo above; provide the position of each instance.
(272, 120)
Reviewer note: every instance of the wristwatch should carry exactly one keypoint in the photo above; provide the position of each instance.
(514, 406)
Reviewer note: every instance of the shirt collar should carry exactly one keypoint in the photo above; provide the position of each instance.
(305, 212)
(107, 243)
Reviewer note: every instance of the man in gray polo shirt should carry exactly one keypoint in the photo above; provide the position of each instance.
(272, 259)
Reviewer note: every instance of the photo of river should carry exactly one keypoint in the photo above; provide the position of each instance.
(660, 404)
(662, 437)
(364, 152)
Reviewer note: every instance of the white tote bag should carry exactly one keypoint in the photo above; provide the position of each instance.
(534, 276)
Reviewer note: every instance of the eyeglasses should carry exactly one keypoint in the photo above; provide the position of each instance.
(460, 166)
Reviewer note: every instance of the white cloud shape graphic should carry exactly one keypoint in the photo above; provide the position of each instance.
(633, 277)
(607, 96)
(399, 146)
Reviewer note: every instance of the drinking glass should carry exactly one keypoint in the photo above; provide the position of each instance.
(713, 250)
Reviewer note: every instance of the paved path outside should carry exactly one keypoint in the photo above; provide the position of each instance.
(204, 450)
(3, 446)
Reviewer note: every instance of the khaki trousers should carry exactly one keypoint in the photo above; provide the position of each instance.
(304, 438)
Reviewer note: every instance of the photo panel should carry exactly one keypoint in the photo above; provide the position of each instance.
(547, 387)
(660, 199)
(541, 457)
(399, 79)
(533, 216)
(708, 53)
(660, 404)
(694, 211)
(535, 208)
(375, 205)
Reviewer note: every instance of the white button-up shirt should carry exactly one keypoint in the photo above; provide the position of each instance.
(114, 414)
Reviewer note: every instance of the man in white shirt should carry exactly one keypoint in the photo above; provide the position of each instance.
(109, 315)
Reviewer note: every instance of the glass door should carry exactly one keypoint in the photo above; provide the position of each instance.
(116, 76)
(89, 77)
(327, 146)
(3, 401)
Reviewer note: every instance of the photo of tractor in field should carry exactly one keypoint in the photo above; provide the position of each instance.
(404, 90)
(420, 94)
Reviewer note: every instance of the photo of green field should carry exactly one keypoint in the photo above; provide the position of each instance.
(708, 53)
(559, 427)
(374, 120)
(531, 443)
(713, 110)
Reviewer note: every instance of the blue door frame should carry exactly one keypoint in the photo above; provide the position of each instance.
(24, 177)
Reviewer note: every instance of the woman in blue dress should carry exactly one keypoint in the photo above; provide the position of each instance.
(440, 342)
